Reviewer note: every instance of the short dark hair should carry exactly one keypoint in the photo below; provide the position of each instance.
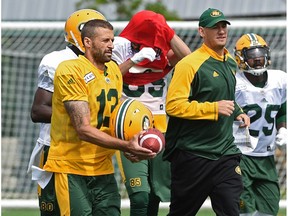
(89, 28)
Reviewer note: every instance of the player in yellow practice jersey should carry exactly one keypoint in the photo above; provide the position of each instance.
(41, 109)
(86, 90)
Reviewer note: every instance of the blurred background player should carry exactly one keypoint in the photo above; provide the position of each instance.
(261, 92)
(41, 110)
(147, 50)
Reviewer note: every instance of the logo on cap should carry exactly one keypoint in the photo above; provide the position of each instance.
(215, 13)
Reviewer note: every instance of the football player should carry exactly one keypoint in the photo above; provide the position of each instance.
(41, 110)
(147, 50)
(86, 90)
(261, 92)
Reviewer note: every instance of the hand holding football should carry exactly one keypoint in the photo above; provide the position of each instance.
(152, 139)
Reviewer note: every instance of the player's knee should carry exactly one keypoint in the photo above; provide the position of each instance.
(139, 200)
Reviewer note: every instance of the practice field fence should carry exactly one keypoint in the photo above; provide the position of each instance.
(23, 46)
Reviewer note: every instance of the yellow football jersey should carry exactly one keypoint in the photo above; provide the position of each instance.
(79, 79)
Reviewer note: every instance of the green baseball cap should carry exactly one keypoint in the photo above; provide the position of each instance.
(211, 17)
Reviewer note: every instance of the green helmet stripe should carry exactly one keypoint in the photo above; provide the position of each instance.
(253, 38)
(121, 117)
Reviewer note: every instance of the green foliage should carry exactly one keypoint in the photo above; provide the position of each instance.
(125, 9)
(158, 7)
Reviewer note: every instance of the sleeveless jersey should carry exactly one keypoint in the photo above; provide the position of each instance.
(80, 80)
(262, 105)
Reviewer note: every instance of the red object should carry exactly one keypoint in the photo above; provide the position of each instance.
(152, 139)
(149, 29)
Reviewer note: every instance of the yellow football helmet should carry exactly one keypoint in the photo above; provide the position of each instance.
(252, 54)
(74, 25)
(129, 118)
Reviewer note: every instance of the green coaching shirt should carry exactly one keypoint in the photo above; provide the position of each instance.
(200, 79)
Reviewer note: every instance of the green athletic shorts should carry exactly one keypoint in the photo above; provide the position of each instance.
(261, 188)
(151, 176)
(47, 198)
(87, 195)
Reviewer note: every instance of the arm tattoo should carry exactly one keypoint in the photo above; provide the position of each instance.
(78, 111)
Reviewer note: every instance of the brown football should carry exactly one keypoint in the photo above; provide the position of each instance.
(152, 139)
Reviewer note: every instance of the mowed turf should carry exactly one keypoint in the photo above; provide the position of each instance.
(125, 212)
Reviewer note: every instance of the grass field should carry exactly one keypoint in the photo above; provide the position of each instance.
(125, 212)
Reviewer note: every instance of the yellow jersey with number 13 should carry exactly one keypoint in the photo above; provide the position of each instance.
(80, 80)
